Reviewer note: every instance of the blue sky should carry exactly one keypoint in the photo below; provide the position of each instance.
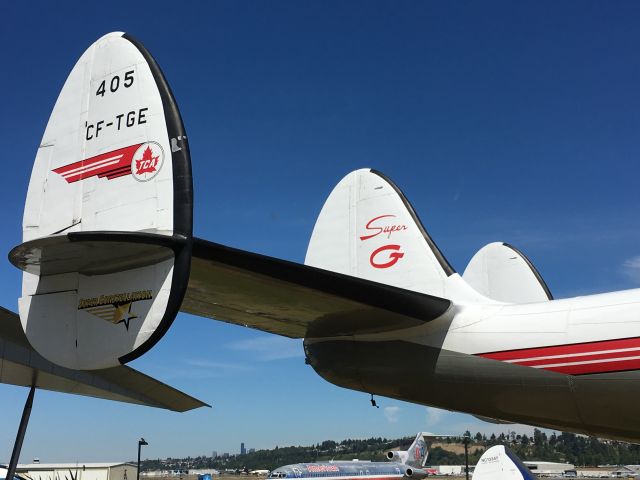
(507, 121)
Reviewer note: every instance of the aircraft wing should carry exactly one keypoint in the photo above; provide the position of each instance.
(20, 364)
(296, 300)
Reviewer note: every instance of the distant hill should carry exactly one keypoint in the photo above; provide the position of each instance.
(564, 447)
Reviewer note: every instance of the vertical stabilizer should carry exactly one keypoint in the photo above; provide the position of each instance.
(418, 451)
(500, 463)
(417, 454)
(502, 272)
(108, 216)
(367, 228)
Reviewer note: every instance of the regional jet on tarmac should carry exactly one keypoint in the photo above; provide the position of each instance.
(109, 259)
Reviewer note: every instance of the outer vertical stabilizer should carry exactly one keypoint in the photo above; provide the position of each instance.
(500, 463)
(501, 272)
(367, 228)
(108, 217)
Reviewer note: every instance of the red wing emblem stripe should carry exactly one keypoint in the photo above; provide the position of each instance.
(111, 165)
(578, 358)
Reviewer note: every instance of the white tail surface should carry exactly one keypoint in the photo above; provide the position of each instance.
(415, 456)
(501, 272)
(418, 452)
(500, 463)
(108, 212)
(368, 229)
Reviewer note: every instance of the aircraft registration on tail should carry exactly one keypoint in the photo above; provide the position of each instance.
(109, 259)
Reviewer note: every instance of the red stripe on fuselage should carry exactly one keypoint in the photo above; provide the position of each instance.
(578, 358)
(587, 347)
(604, 367)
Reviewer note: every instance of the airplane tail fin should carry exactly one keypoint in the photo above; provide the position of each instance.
(500, 463)
(367, 228)
(108, 216)
(417, 454)
(502, 272)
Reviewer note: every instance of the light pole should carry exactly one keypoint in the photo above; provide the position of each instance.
(466, 456)
(141, 442)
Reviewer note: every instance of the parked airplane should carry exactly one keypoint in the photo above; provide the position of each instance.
(109, 259)
(407, 464)
(500, 463)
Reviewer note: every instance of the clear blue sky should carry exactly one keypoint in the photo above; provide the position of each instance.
(507, 121)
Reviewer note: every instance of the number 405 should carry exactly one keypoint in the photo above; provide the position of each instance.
(114, 84)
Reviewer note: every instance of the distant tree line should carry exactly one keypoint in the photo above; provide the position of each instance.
(563, 447)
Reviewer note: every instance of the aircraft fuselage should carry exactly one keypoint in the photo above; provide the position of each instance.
(570, 364)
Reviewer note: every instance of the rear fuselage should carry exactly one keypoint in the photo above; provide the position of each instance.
(570, 364)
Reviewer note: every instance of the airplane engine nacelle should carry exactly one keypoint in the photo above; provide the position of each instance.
(397, 456)
(415, 473)
(107, 227)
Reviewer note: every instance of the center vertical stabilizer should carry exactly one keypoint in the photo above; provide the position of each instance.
(367, 228)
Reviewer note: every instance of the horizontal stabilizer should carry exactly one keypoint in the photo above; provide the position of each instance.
(20, 365)
(502, 272)
(296, 300)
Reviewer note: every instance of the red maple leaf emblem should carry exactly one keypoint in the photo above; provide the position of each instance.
(148, 163)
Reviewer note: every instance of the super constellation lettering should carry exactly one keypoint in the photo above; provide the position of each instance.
(378, 229)
(129, 119)
(115, 298)
(115, 308)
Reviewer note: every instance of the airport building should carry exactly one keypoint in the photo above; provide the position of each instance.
(449, 469)
(549, 468)
(79, 471)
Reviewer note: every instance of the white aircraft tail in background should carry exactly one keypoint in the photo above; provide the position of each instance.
(500, 463)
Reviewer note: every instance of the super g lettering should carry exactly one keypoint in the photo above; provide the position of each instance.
(385, 228)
